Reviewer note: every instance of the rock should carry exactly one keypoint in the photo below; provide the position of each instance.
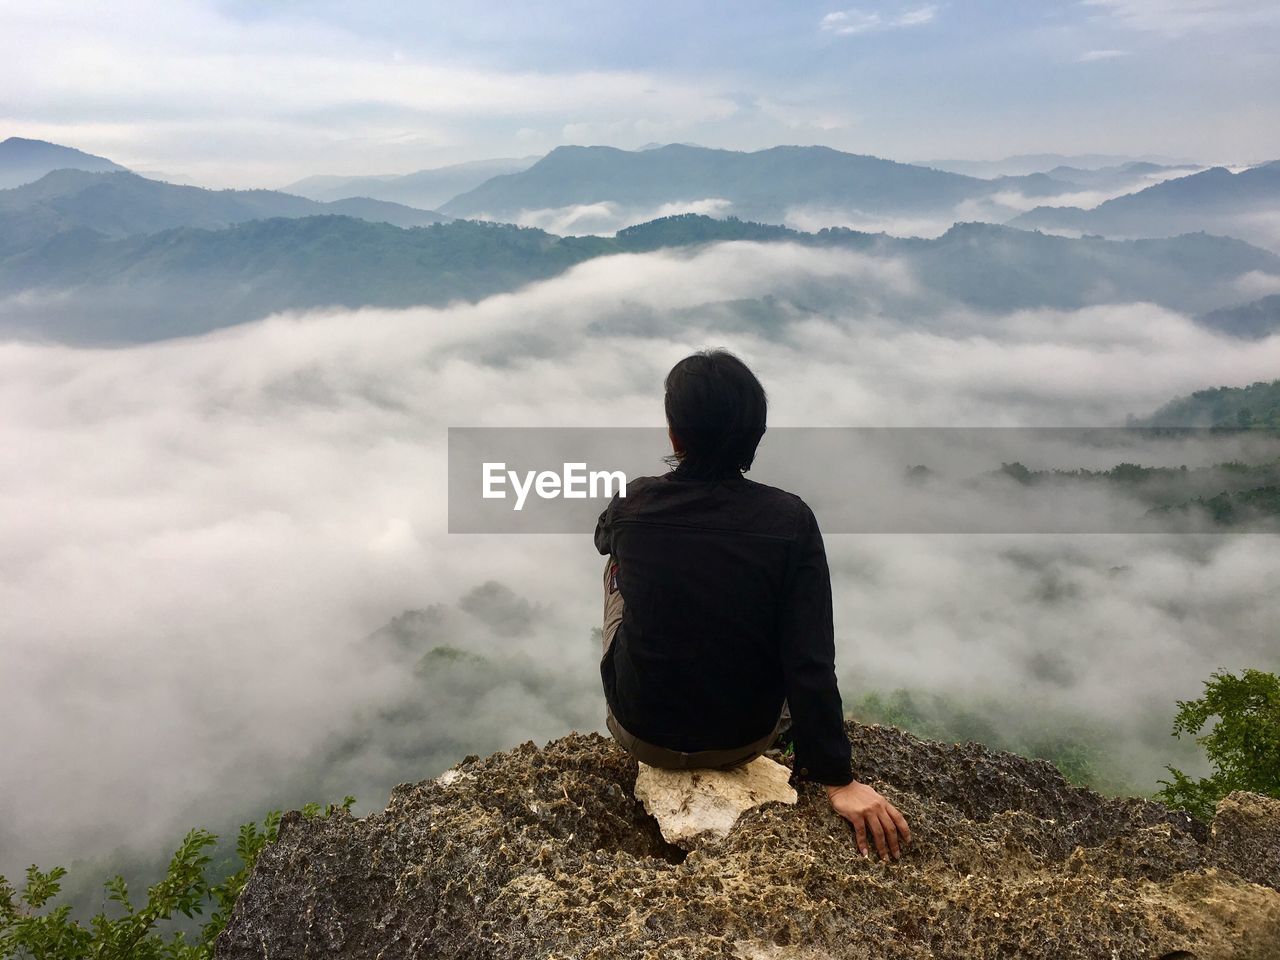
(1246, 837)
(691, 805)
(546, 853)
(452, 775)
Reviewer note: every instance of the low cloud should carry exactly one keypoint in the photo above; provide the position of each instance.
(1257, 284)
(999, 207)
(607, 217)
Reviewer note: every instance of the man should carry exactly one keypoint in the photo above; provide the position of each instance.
(718, 606)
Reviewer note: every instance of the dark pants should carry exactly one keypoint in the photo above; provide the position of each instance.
(652, 754)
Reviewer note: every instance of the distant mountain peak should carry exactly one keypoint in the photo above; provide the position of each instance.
(26, 142)
(661, 146)
(23, 160)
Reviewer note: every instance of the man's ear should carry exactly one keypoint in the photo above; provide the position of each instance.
(676, 446)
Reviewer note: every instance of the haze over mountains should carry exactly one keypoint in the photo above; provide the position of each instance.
(1021, 164)
(121, 204)
(426, 188)
(82, 287)
(1242, 204)
(1255, 319)
(96, 255)
(765, 185)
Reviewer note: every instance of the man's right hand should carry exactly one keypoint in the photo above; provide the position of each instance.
(869, 812)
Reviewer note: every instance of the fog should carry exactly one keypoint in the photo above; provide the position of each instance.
(205, 538)
(999, 207)
(606, 217)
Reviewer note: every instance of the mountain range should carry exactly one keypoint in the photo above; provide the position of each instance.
(121, 204)
(1244, 204)
(110, 256)
(609, 187)
(763, 185)
(1025, 163)
(427, 189)
(81, 286)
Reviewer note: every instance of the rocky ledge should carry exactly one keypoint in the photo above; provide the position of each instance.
(546, 853)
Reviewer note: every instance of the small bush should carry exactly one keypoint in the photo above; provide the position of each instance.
(30, 927)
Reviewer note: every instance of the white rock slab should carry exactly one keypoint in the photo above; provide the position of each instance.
(689, 804)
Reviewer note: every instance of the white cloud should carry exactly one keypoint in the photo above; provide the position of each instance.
(197, 89)
(1000, 207)
(607, 217)
(1257, 284)
(855, 21)
(849, 22)
(811, 219)
(1187, 16)
(915, 17)
(1091, 55)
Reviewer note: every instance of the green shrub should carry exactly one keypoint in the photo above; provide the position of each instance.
(31, 927)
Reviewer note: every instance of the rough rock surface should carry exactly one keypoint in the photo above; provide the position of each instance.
(542, 853)
(1246, 837)
(696, 805)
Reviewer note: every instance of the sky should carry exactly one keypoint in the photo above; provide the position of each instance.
(253, 93)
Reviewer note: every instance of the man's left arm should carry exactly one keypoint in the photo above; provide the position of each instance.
(822, 746)
(807, 648)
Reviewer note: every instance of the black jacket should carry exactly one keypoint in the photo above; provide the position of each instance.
(727, 612)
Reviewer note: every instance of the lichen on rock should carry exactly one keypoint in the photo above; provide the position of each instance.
(1246, 836)
(546, 853)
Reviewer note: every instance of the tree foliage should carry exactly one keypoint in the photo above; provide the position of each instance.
(1242, 744)
(32, 927)
(1252, 407)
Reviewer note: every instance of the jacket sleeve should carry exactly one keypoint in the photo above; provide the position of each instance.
(807, 647)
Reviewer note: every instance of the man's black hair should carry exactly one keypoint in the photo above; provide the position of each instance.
(717, 409)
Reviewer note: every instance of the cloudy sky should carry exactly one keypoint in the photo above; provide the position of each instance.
(245, 92)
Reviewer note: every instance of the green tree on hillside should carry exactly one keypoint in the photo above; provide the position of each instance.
(1243, 744)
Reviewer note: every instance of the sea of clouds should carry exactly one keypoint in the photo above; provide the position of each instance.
(200, 534)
